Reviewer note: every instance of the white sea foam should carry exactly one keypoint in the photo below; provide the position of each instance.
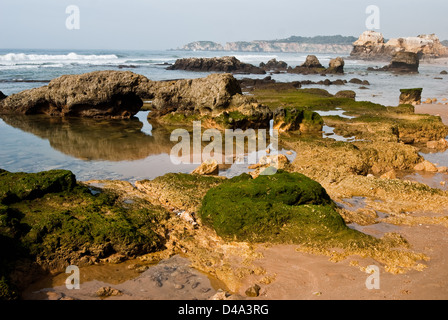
(21, 57)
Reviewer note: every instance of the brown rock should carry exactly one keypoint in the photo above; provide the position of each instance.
(389, 175)
(253, 291)
(208, 167)
(217, 64)
(336, 65)
(105, 292)
(425, 166)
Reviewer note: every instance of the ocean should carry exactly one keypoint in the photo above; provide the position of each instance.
(35, 144)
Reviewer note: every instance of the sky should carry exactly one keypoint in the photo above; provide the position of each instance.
(169, 24)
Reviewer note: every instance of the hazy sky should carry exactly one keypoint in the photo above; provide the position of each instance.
(165, 24)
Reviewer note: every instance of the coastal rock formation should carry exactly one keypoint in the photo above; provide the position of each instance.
(402, 62)
(312, 65)
(372, 46)
(350, 94)
(208, 167)
(203, 95)
(119, 94)
(312, 62)
(2, 95)
(275, 65)
(217, 64)
(336, 65)
(96, 94)
(411, 96)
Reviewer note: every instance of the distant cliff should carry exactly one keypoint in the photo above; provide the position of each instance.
(319, 44)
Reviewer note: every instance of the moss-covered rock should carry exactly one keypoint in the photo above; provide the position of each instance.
(284, 207)
(48, 219)
(19, 186)
(297, 119)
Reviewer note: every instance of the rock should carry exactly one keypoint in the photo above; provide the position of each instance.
(440, 144)
(217, 64)
(336, 65)
(442, 169)
(208, 167)
(389, 175)
(372, 46)
(253, 291)
(404, 62)
(220, 295)
(293, 119)
(350, 94)
(275, 65)
(443, 72)
(311, 62)
(105, 292)
(97, 94)
(213, 93)
(2, 96)
(425, 166)
(278, 161)
(411, 96)
(356, 81)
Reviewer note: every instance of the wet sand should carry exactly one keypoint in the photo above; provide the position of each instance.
(302, 276)
(434, 109)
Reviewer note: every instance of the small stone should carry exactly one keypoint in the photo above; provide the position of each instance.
(391, 174)
(178, 286)
(289, 152)
(105, 292)
(253, 291)
(208, 167)
(425, 166)
(442, 183)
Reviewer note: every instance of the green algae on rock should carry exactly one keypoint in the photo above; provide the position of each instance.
(280, 208)
(48, 221)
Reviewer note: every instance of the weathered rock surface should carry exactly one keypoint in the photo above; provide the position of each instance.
(97, 94)
(202, 95)
(372, 46)
(312, 65)
(402, 62)
(275, 65)
(336, 65)
(118, 94)
(411, 96)
(217, 64)
(208, 167)
(426, 166)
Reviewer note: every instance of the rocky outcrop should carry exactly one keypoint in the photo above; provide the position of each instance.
(203, 95)
(336, 65)
(274, 65)
(217, 64)
(118, 94)
(411, 96)
(312, 65)
(2, 96)
(112, 94)
(208, 167)
(372, 46)
(402, 62)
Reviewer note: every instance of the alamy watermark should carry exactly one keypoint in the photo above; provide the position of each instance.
(373, 20)
(73, 281)
(234, 145)
(373, 281)
(73, 21)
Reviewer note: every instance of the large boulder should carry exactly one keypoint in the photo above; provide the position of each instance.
(217, 64)
(119, 94)
(411, 96)
(336, 65)
(275, 65)
(206, 95)
(311, 62)
(96, 94)
(404, 62)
